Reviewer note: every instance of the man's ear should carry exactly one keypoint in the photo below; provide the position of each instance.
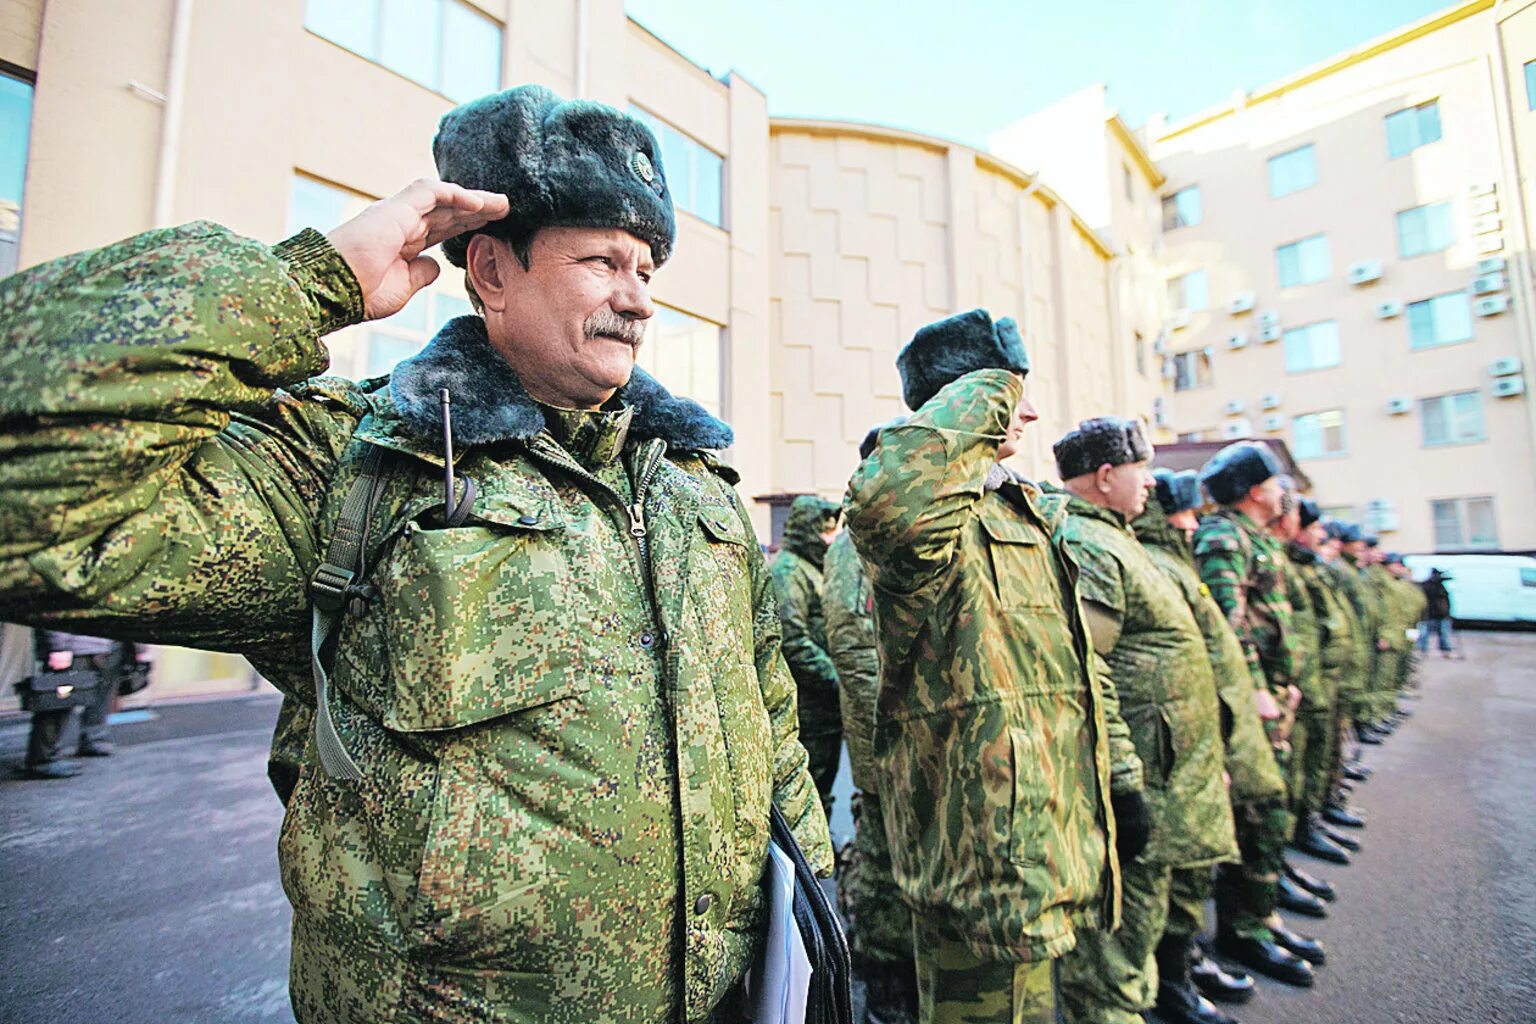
(487, 263)
(1101, 477)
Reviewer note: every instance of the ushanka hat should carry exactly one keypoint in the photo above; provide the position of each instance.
(943, 352)
(1177, 492)
(1310, 512)
(1237, 469)
(560, 163)
(1095, 442)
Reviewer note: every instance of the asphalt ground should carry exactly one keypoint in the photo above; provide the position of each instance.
(146, 889)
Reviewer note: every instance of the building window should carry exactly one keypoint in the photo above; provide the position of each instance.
(1292, 171)
(685, 353)
(1343, 513)
(1191, 437)
(694, 172)
(1442, 320)
(1318, 435)
(1141, 353)
(1311, 347)
(1424, 229)
(1189, 293)
(1452, 419)
(1191, 370)
(1530, 85)
(1304, 262)
(1182, 208)
(15, 133)
(1464, 524)
(445, 45)
(1409, 129)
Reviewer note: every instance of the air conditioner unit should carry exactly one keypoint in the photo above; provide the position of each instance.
(1233, 407)
(1269, 318)
(1179, 320)
(1236, 429)
(1208, 351)
(1273, 422)
(1488, 283)
(1481, 188)
(1491, 265)
(1399, 406)
(1160, 415)
(1268, 334)
(1480, 205)
(1270, 400)
(1364, 272)
(1160, 344)
(1490, 305)
(1381, 515)
(1170, 369)
(1504, 367)
(1508, 387)
(1237, 341)
(1388, 310)
(1488, 243)
(1487, 224)
(1241, 303)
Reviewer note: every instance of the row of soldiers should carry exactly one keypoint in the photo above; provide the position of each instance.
(1074, 713)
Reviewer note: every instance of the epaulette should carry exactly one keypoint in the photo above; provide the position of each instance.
(348, 394)
(722, 469)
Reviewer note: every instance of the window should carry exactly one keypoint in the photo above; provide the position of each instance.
(15, 131)
(1304, 262)
(1452, 419)
(694, 173)
(1528, 577)
(1141, 353)
(1292, 171)
(1530, 85)
(445, 45)
(1318, 434)
(1442, 320)
(1464, 524)
(1424, 229)
(1189, 293)
(1182, 208)
(684, 353)
(1409, 129)
(1191, 370)
(1343, 513)
(1193, 435)
(1312, 347)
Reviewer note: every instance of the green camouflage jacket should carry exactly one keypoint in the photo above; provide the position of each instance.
(848, 601)
(1250, 758)
(1397, 613)
(1162, 674)
(796, 571)
(1306, 628)
(1337, 649)
(993, 741)
(1241, 565)
(1357, 606)
(568, 733)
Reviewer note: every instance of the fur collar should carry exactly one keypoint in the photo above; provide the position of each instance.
(490, 404)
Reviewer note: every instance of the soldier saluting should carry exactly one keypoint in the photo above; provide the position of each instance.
(551, 724)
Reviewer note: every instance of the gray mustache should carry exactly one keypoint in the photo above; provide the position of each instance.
(607, 322)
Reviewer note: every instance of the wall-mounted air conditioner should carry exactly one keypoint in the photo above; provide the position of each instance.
(1490, 305)
(1179, 320)
(1269, 318)
(1487, 224)
(1170, 369)
(1388, 310)
(1160, 343)
(1488, 243)
(1480, 205)
(1237, 341)
(1273, 422)
(1236, 429)
(1399, 406)
(1233, 407)
(1381, 515)
(1491, 265)
(1269, 334)
(1241, 303)
(1481, 188)
(1160, 415)
(1364, 272)
(1270, 400)
(1508, 387)
(1504, 367)
(1488, 283)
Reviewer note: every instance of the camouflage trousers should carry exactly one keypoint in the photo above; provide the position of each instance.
(1111, 977)
(1312, 742)
(1246, 891)
(826, 751)
(1381, 697)
(1188, 891)
(955, 986)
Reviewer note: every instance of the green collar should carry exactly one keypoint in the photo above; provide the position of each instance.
(593, 437)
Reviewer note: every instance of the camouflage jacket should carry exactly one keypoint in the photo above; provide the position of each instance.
(1241, 564)
(1305, 629)
(848, 601)
(993, 741)
(1397, 613)
(1250, 757)
(797, 580)
(1161, 672)
(1356, 606)
(568, 734)
(1337, 652)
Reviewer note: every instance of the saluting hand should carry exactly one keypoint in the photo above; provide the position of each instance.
(384, 244)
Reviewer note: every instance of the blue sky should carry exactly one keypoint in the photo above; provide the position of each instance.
(964, 69)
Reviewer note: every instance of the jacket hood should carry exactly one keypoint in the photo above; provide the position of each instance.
(809, 517)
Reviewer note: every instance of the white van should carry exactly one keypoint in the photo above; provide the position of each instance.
(1484, 588)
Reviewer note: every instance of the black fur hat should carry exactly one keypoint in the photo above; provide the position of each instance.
(1238, 468)
(1346, 533)
(1105, 439)
(943, 352)
(1177, 492)
(560, 163)
(1310, 512)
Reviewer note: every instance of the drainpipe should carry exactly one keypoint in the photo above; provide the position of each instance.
(170, 130)
(581, 49)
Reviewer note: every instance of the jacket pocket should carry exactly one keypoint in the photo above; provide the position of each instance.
(1020, 559)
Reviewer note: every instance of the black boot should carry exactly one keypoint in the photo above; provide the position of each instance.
(1319, 887)
(1337, 812)
(1342, 839)
(1179, 1003)
(1268, 958)
(1218, 984)
(1368, 735)
(1294, 898)
(1308, 949)
(890, 993)
(1310, 840)
(1357, 771)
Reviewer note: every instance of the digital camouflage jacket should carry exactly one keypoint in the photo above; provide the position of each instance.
(1241, 565)
(1250, 757)
(569, 728)
(848, 601)
(1162, 674)
(797, 580)
(1305, 628)
(995, 747)
(1338, 650)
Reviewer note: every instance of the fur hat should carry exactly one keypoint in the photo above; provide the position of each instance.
(1236, 469)
(560, 163)
(867, 445)
(1177, 492)
(1105, 439)
(945, 351)
(1343, 532)
(1371, 540)
(1310, 512)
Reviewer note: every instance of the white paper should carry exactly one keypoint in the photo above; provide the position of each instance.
(781, 981)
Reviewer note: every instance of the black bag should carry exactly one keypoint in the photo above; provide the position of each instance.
(59, 691)
(133, 679)
(830, 1000)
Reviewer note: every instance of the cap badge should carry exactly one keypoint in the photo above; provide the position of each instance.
(641, 164)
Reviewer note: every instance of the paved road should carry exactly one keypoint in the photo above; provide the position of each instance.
(146, 889)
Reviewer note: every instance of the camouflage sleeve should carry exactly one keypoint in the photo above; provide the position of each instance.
(1223, 566)
(908, 501)
(796, 592)
(154, 485)
(1125, 774)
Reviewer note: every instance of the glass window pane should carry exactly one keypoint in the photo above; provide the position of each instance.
(1197, 295)
(1331, 428)
(414, 316)
(1453, 318)
(1447, 517)
(1530, 85)
(1429, 122)
(15, 132)
(471, 53)
(1432, 420)
(314, 204)
(683, 352)
(709, 173)
(1308, 443)
(446, 307)
(1292, 171)
(1481, 530)
(1424, 229)
(408, 38)
(1467, 416)
(350, 23)
(1409, 129)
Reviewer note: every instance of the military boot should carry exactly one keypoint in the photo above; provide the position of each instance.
(1177, 1000)
(1309, 839)
(1268, 958)
(1309, 949)
(1337, 812)
(1319, 887)
(1298, 900)
(1217, 984)
(1341, 839)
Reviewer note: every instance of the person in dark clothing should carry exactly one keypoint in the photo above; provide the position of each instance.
(1437, 614)
(60, 652)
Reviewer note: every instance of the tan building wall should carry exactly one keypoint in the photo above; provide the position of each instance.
(1339, 109)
